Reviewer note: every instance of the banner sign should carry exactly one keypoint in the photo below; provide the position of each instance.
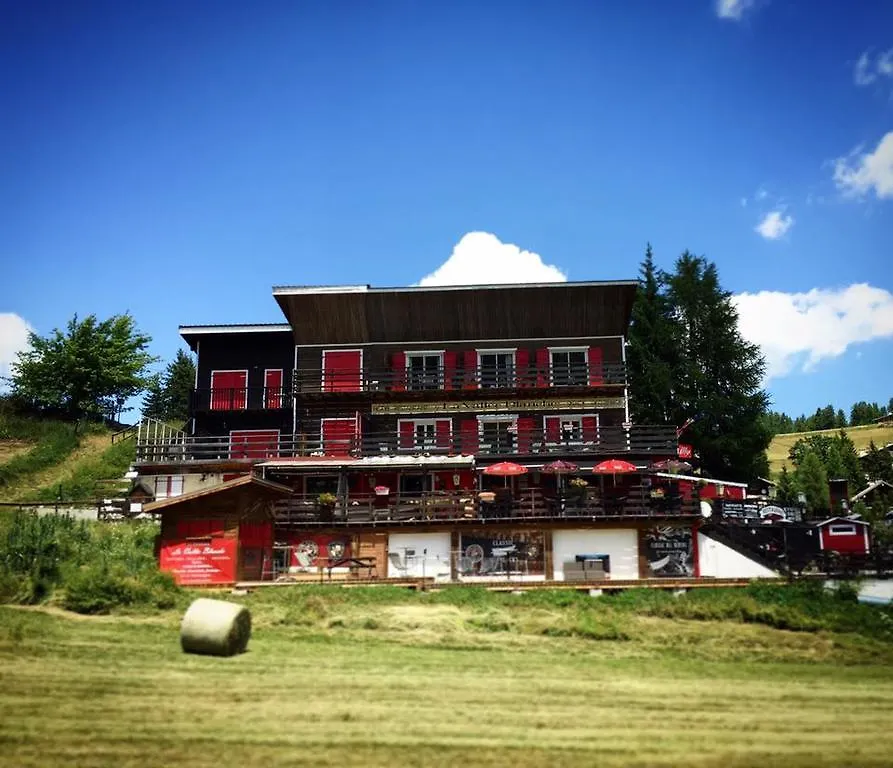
(207, 562)
(500, 406)
(685, 451)
(493, 554)
(669, 552)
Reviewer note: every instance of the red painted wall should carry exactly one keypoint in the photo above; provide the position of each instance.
(858, 543)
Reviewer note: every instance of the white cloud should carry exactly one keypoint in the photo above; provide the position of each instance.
(761, 194)
(798, 330)
(867, 71)
(482, 258)
(13, 339)
(858, 174)
(733, 9)
(774, 225)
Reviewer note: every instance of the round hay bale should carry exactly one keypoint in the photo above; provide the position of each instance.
(215, 628)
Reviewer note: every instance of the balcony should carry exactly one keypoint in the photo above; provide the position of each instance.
(529, 505)
(644, 440)
(491, 379)
(240, 399)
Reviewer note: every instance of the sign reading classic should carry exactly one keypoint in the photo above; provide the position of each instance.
(500, 406)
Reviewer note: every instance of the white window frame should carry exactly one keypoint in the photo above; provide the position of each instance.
(228, 370)
(578, 417)
(428, 423)
(491, 418)
(281, 386)
(850, 529)
(560, 350)
(322, 372)
(408, 353)
(169, 491)
(513, 351)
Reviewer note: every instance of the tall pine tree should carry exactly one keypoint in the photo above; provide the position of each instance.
(688, 359)
(651, 357)
(167, 396)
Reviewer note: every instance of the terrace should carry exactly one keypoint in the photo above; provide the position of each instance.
(532, 505)
(313, 440)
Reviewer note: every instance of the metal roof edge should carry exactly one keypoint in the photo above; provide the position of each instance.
(301, 290)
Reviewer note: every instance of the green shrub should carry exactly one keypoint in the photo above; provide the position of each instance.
(99, 588)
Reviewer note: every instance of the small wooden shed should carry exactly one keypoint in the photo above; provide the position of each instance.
(218, 535)
(845, 535)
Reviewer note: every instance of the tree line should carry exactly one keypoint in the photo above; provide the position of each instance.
(92, 368)
(860, 414)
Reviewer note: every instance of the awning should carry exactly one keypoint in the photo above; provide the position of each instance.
(410, 462)
(249, 484)
(695, 479)
(308, 463)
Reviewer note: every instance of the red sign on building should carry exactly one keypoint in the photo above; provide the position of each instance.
(193, 563)
(684, 451)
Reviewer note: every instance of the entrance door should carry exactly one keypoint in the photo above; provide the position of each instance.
(229, 390)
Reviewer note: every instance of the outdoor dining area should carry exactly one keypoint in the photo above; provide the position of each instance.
(505, 490)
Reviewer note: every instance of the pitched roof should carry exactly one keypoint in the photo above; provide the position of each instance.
(229, 485)
(869, 488)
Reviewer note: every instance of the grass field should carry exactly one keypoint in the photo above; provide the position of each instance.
(387, 678)
(861, 437)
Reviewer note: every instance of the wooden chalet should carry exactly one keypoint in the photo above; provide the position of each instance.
(383, 411)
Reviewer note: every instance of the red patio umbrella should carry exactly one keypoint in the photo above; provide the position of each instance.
(614, 467)
(505, 469)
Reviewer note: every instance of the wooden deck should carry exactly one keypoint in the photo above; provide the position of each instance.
(429, 584)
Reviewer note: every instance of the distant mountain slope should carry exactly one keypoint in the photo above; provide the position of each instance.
(861, 437)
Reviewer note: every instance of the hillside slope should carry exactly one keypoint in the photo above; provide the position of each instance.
(38, 458)
(861, 437)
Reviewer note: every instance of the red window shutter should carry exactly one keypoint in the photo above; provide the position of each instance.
(471, 368)
(553, 428)
(273, 389)
(525, 426)
(338, 436)
(522, 363)
(443, 433)
(590, 429)
(407, 434)
(595, 366)
(342, 370)
(542, 368)
(228, 390)
(449, 369)
(398, 370)
(469, 429)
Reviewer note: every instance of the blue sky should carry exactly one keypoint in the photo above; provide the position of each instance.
(178, 159)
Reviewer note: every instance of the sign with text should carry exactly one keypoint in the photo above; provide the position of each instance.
(669, 552)
(685, 451)
(485, 553)
(500, 406)
(200, 562)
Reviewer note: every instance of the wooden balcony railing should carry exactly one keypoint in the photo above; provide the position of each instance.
(310, 381)
(313, 441)
(530, 504)
(240, 399)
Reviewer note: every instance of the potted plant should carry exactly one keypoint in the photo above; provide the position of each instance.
(326, 503)
(576, 490)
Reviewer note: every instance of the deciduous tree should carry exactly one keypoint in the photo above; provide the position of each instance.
(89, 370)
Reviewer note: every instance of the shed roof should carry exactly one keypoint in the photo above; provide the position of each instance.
(263, 487)
(869, 488)
(841, 520)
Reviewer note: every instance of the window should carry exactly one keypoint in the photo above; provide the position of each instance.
(229, 390)
(414, 484)
(168, 486)
(841, 530)
(424, 434)
(571, 429)
(496, 368)
(498, 435)
(569, 368)
(424, 370)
